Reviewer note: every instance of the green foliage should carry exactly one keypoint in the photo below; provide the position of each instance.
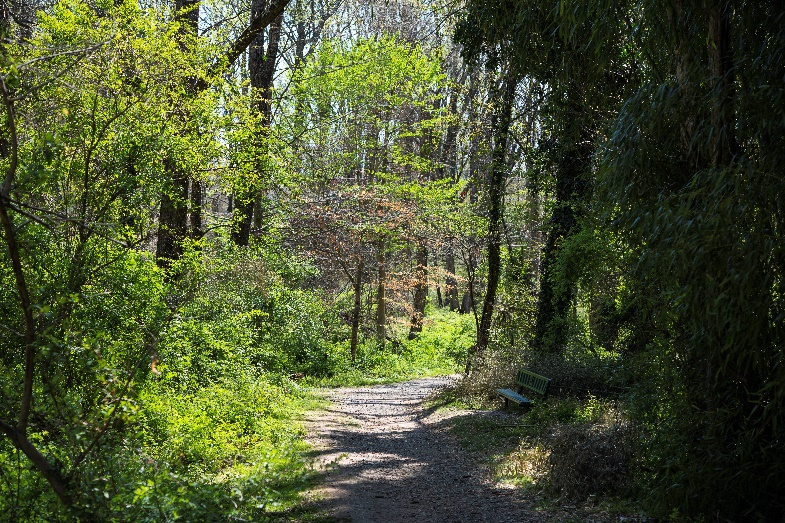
(440, 349)
(643, 232)
(209, 434)
(671, 275)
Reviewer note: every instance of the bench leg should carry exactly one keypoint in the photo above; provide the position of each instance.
(506, 403)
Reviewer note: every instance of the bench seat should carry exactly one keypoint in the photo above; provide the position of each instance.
(511, 395)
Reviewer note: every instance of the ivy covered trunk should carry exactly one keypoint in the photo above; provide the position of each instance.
(261, 69)
(572, 187)
(496, 190)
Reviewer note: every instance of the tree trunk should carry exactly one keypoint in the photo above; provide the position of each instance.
(451, 283)
(243, 215)
(555, 300)
(495, 215)
(172, 218)
(381, 300)
(448, 154)
(723, 119)
(299, 43)
(261, 70)
(420, 292)
(196, 210)
(173, 214)
(467, 303)
(358, 288)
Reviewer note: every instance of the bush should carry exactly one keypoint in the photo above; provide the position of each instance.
(590, 459)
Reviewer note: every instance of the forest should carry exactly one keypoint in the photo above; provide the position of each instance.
(212, 208)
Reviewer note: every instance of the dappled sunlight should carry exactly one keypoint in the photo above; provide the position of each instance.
(385, 463)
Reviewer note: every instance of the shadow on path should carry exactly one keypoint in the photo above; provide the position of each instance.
(391, 467)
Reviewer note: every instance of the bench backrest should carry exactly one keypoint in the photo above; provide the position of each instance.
(533, 381)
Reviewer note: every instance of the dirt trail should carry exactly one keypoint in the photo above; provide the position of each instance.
(395, 465)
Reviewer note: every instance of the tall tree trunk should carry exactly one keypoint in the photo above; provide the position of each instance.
(172, 217)
(495, 215)
(381, 299)
(173, 214)
(196, 231)
(261, 69)
(468, 302)
(243, 218)
(358, 288)
(572, 186)
(451, 282)
(450, 168)
(448, 153)
(723, 117)
(420, 292)
(299, 43)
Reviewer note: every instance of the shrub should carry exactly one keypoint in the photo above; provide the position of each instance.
(590, 459)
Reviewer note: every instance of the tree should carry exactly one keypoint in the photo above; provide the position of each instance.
(701, 226)
(374, 141)
(496, 190)
(81, 173)
(174, 213)
(261, 68)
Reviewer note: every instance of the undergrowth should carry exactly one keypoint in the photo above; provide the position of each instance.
(574, 446)
(438, 350)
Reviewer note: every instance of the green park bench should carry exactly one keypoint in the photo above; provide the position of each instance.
(525, 379)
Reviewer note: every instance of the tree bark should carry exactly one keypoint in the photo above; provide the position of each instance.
(358, 287)
(381, 299)
(420, 292)
(495, 215)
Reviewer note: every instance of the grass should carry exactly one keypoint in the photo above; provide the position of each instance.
(437, 351)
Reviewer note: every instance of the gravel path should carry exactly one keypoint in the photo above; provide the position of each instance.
(392, 464)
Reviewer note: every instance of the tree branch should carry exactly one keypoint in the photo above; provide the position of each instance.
(51, 473)
(16, 265)
(242, 42)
